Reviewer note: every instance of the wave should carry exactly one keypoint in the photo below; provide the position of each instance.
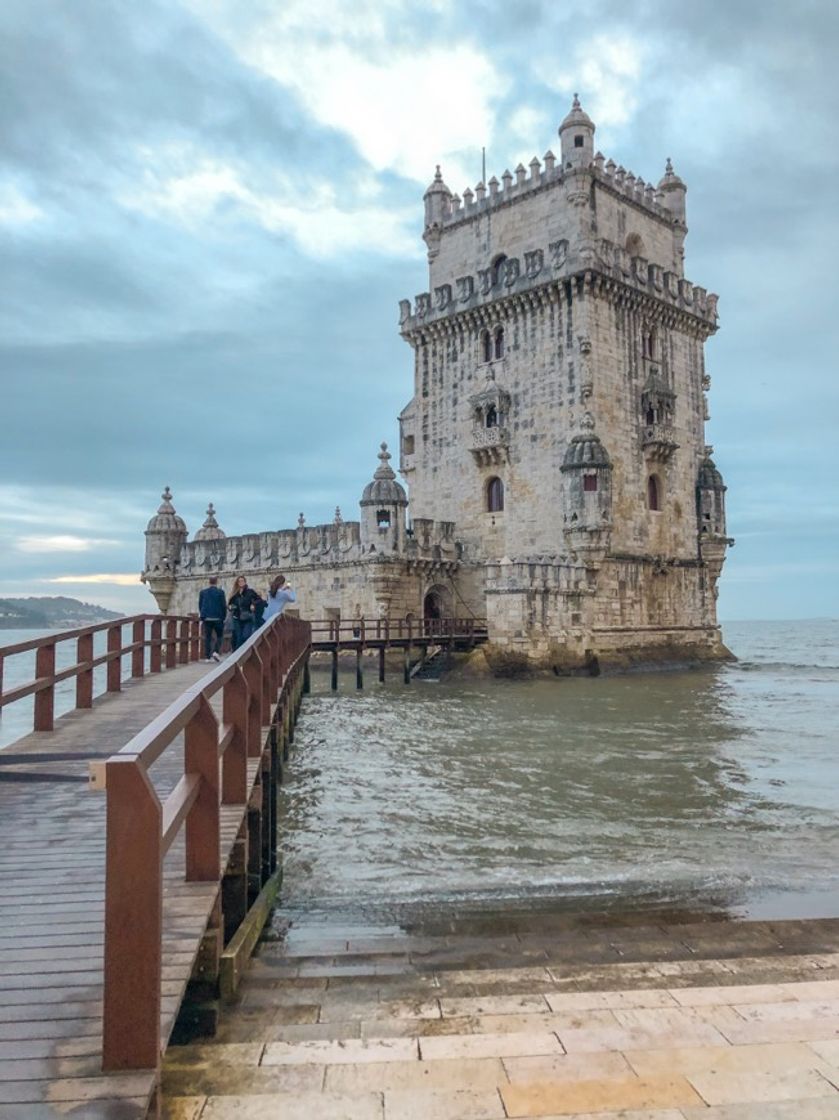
(780, 666)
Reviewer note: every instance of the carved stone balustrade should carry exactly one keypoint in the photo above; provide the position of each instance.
(658, 441)
(489, 445)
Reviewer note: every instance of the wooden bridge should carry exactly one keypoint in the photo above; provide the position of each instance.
(138, 857)
(414, 638)
(138, 832)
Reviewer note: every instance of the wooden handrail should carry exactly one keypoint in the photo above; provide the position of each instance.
(46, 677)
(361, 630)
(257, 682)
(177, 805)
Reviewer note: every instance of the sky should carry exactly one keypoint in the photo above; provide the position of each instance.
(209, 210)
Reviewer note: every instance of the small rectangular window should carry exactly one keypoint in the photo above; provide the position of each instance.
(578, 141)
(590, 482)
(407, 445)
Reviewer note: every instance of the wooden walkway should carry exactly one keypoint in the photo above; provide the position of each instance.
(52, 876)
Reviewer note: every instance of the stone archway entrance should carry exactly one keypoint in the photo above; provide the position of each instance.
(437, 603)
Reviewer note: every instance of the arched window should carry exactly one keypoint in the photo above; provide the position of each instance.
(498, 269)
(650, 416)
(495, 495)
(499, 342)
(486, 345)
(491, 420)
(653, 492)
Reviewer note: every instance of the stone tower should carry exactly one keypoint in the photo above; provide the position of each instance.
(558, 408)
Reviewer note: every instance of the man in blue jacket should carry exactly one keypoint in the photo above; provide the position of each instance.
(212, 610)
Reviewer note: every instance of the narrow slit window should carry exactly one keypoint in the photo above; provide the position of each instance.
(486, 346)
(499, 342)
(653, 493)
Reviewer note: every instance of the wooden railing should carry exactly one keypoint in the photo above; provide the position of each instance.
(395, 629)
(258, 683)
(171, 640)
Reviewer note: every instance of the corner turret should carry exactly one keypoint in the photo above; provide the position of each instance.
(576, 136)
(383, 506)
(438, 204)
(587, 472)
(673, 192)
(166, 535)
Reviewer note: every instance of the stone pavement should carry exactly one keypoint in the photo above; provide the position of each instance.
(705, 1020)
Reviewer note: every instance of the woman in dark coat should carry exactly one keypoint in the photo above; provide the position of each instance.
(241, 604)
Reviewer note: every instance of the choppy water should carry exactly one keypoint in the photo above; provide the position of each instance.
(716, 787)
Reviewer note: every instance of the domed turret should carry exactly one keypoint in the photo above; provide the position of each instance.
(383, 505)
(674, 191)
(210, 530)
(166, 535)
(438, 204)
(576, 135)
(710, 498)
(587, 472)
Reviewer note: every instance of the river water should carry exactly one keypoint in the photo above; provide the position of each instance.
(715, 788)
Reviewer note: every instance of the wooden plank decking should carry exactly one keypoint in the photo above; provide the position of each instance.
(52, 877)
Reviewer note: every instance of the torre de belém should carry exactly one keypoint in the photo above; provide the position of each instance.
(553, 449)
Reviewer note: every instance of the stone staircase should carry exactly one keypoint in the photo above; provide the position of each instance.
(651, 1019)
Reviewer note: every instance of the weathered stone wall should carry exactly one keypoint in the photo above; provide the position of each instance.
(354, 589)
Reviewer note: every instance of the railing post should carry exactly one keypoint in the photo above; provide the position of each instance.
(84, 681)
(234, 762)
(203, 820)
(45, 699)
(252, 670)
(171, 643)
(114, 671)
(155, 652)
(138, 656)
(133, 919)
(194, 639)
(183, 643)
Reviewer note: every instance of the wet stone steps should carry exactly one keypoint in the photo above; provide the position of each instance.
(645, 1020)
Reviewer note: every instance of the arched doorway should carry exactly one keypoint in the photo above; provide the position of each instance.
(436, 605)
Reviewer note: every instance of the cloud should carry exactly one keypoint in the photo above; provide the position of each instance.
(607, 70)
(406, 103)
(114, 579)
(63, 543)
(321, 220)
(15, 208)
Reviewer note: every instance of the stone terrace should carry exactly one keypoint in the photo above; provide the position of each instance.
(651, 1020)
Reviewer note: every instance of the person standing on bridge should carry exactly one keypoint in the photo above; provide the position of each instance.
(279, 596)
(241, 605)
(212, 610)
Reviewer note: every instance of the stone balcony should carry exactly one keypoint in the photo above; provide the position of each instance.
(489, 445)
(658, 442)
